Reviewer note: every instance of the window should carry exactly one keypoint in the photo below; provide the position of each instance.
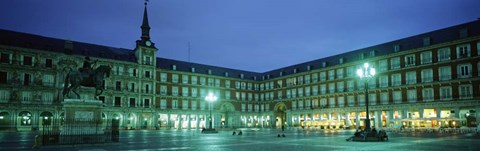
(315, 90)
(340, 73)
(323, 76)
(463, 33)
(48, 63)
(410, 60)
(27, 79)
(5, 58)
(464, 70)
(48, 80)
(163, 77)
(351, 100)
(426, 57)
(27, 61)
(411, 77)
(227, 83)
(351, 71)
(426, 41)
(294, 105)
(427, 94)
(395, 63)
(117, 102)
(331, 88)
(185, 79)
(118, 85)
(307, 79)
(361, 100)
(383, 81)
(412, 96)
(175, 78)
(194, 80)
(384, 99)
(175, 91)
(445, 73)
(184, 91)
(174, 104)
(445, 93)
(184, 104)
(341, 101)
(372, 99)
(396, 48)
(323, 89)
(465, 91)
(163, 90)
(331, 74)
(3, 77)
(147, 74)
(4, 96)
(427, 75)
(331, 102)
(397, 97)
(323, 102)
(163, 104)
(463, 51)
(194, 105)
(340, 86)
(132, 102)
(350, 86)
(383, 65)
(26, 97)
(396, 79)
(202, 81)
(315, 77)
(443, 54)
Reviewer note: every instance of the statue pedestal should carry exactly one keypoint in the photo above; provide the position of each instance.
(82, 117)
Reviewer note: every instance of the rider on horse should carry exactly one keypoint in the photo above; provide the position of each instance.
(87, 68)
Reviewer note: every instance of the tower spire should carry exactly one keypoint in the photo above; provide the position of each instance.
(145, 26)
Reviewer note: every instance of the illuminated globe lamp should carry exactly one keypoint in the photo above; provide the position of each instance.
(365, 74)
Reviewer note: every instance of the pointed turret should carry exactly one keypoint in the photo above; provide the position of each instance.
(145, 26)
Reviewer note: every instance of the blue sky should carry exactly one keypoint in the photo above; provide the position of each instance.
(253, 35)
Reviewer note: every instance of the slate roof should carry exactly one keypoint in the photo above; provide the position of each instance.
(18, 39)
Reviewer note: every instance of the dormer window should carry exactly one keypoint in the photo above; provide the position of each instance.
(209, 71)
(193, 70)
(174, 67)
(341, 60)
(226, 74)
(372, 53)
(463, 33)
(241, 76)
(281, 73)
(294, 70)
(361, 55)
(324, 64)
(308, 68)
(426, 41)
(396, 48)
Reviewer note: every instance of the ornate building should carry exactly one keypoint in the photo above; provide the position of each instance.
(427, 80)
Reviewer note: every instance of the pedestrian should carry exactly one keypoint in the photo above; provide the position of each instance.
(234, 133)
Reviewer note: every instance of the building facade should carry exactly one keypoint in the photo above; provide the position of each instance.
(427, 80)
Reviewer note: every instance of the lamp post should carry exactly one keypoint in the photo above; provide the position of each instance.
(210, 98)
(366, 73)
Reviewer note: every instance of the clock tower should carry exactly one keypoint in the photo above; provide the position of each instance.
(145, 51)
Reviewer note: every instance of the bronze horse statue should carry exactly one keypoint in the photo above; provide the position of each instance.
(74, 79)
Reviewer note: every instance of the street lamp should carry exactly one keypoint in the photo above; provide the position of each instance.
(366, 73)
(210, 98)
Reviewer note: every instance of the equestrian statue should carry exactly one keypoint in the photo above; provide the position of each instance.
(87, 77)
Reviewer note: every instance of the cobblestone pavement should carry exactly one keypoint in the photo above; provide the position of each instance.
(254, 139)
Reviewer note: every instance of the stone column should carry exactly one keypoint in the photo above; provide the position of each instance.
(347, 119)
(168, 120)
(289, 118)
(189, 125)
(357, 122)
(439, 113)
(404, 114)
(180, 121)
(378, 119)
(390, 118)
(457, 112)
(35, 120)
(477, 111)
(217, 120)
(420, 111)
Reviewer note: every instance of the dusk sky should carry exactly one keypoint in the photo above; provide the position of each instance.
(253, 35)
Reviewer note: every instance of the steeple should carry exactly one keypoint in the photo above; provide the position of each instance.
(145, 26)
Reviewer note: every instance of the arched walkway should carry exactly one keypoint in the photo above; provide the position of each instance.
(280, 110)
(226, 119)
(24, 121)
(5, 121)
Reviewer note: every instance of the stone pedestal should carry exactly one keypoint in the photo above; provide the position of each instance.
(82, 116)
